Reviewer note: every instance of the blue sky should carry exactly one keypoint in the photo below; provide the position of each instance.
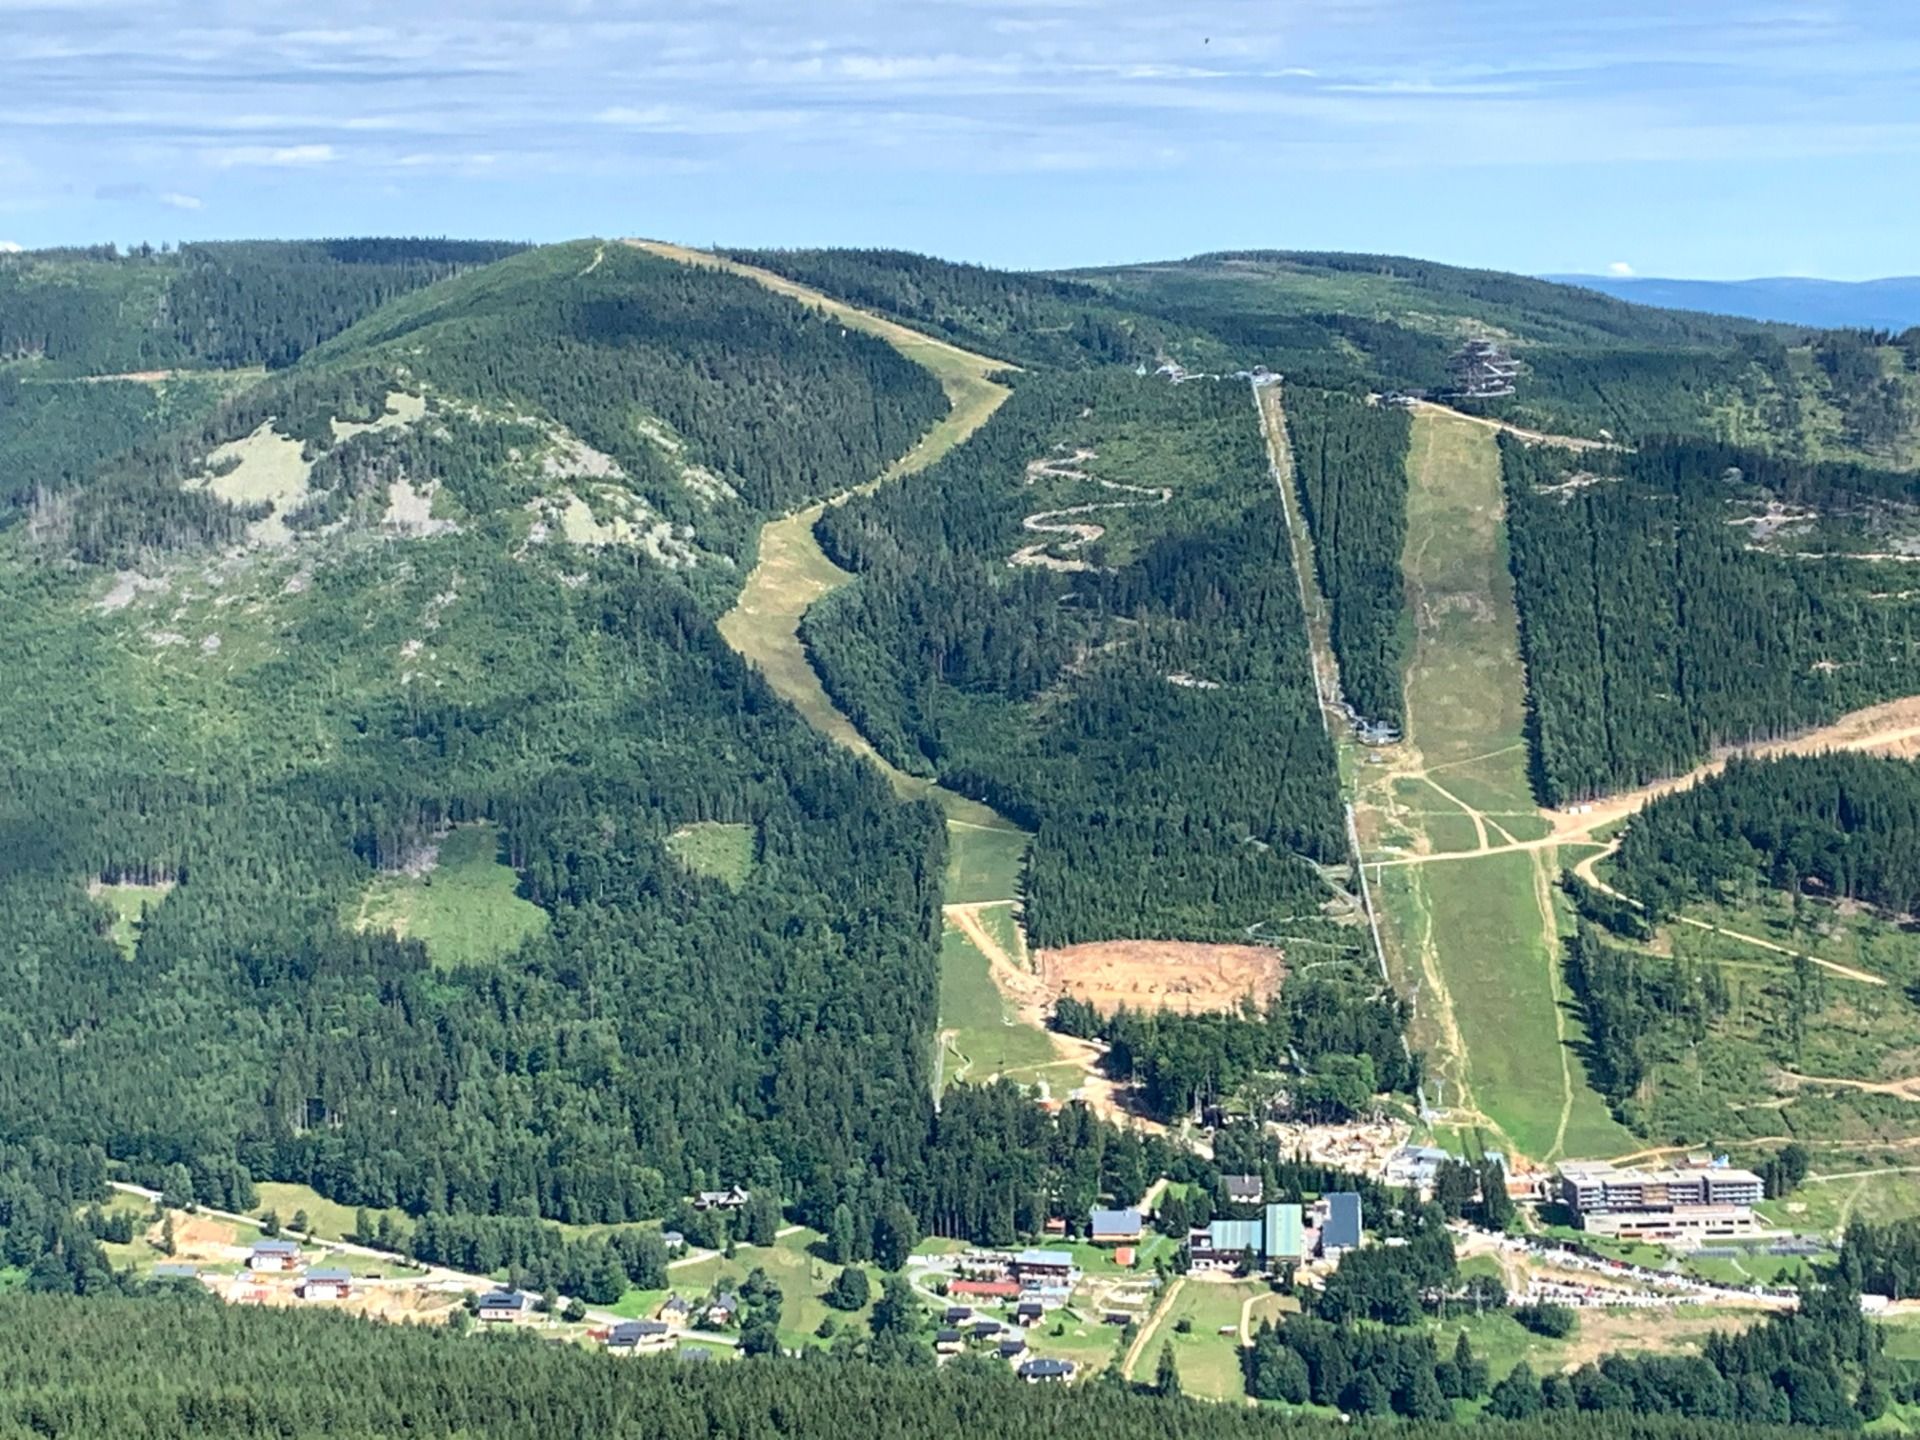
(1676, 137)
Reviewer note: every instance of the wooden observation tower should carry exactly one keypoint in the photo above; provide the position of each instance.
(1482, 371)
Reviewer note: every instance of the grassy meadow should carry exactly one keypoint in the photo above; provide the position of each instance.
(714, 849)
(466, 910)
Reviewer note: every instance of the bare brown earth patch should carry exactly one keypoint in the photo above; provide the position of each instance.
(1162, 974)
(197, 1237)
(1653, 1332)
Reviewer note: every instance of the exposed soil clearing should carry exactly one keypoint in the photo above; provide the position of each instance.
(1162, 974)
(1079, 534)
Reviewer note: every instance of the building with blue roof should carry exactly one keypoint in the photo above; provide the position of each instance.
(1340, 1226)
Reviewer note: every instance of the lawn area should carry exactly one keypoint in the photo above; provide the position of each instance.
(640, 1304)
(714, 849)
(1753, 1267)
(802, 1279)
(984, 862)
(1098, 1259)
(1209, 1362)
(1631, 1252)
(1500, 1340)
(1478, 925)
(1448, 832)
(1477, 939)
(986, 1040)
(1823, 1207)
(129, 905)
(1083, 1338)
(330, 1219)
(467, 910)
(1903, 1337)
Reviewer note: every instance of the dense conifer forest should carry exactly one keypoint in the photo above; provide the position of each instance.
(214, 305)
(1843, 826)
(1654, 628)
(179, 1368)
(1142, 702)
(1351, 459)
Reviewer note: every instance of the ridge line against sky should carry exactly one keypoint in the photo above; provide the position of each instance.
(1712, 139)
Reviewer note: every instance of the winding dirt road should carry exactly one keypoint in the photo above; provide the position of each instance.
(1520, 432)
(1080, 534)
(1889, 728)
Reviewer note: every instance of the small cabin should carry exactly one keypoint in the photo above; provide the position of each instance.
(328, 1284)
(274, 1257)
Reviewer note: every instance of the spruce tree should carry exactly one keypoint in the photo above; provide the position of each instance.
(1166, 1375)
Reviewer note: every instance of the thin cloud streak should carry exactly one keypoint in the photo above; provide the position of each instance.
(178, 94)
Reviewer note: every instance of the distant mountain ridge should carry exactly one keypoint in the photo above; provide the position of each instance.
(1890, 304)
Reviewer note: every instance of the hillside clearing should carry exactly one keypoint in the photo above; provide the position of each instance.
(715, 849)
(129, 904)
(264, 468)
(402, 410)
(1162, 974)
(464, 906)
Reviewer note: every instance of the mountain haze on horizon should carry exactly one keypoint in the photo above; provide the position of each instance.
(1892, 303)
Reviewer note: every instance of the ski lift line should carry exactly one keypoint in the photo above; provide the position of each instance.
(1293, 545)
(1354, 858)
(1366, 897)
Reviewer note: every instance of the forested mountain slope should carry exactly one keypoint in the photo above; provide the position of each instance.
(1669, 603)
(624, 400)
(1087, 615)
(367, 608)
(1591, 365)
(208, 305)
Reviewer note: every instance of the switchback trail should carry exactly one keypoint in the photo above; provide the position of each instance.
(1080, 533)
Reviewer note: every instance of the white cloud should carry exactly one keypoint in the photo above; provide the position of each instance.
(271, 155)
(1620, 269)
(648, 116)
(175, 200)
(11, 247)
